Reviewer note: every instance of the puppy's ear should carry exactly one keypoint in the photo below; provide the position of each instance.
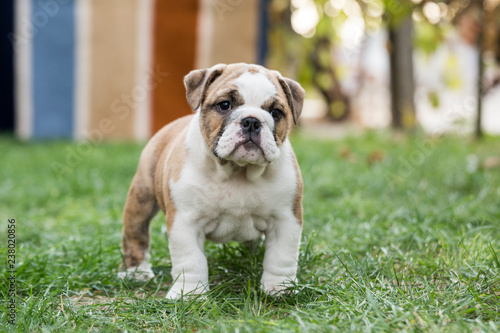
(197, 83)
(295, 95)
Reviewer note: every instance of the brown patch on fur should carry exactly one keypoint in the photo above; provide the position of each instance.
(174, 162)
(295, 96)
(282, 99)
(253, 70)
(170, 165)
(140, 208)
(164, 142)
(197, 83)
(135, 239)
(213, 119)
(236, 98)
(212, 122)
(268, 105)
(200, 83)
(193, 82)
(282, 126)
(281, 131)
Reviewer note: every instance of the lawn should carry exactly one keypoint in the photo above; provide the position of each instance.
(401, 233)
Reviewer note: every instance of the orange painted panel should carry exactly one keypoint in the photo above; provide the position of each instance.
(174, 40)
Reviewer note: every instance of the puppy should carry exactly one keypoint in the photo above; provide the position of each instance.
(228, 172)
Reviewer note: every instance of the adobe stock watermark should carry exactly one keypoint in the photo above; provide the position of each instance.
(206, 195)
(407, 165)
(121, 109)
(418, 156)
(29, 26)
(222, 7)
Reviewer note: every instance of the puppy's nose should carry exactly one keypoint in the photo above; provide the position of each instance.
(251, 125)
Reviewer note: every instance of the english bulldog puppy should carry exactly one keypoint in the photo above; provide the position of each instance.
(228, 172)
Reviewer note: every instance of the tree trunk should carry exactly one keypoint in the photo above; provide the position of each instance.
(480, 74)
(402, 83)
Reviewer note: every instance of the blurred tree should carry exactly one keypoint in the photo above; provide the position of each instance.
(477, 24)
(308, 33)
(309, 57)
(321, 69)
(324, 78)
(480, 77)
(400, 28)
(487, 18)
(316, 45)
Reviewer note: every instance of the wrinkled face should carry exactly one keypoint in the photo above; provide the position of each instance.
(247, 119)
(246, 112)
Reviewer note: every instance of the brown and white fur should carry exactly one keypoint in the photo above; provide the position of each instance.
(224, 173)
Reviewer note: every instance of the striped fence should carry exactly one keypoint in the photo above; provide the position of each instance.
(113, 69)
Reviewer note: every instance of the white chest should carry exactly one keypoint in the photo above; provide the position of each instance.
(233, 209)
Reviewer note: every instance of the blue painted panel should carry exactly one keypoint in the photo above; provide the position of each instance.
(262, 47)
(53, 68)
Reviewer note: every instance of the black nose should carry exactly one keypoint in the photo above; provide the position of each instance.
(251, 125)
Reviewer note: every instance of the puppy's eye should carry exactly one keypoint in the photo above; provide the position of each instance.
(277, 114)
(224, 106)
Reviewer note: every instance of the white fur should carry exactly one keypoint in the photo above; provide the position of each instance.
(282, 251)
(255, 88)
(219, 202)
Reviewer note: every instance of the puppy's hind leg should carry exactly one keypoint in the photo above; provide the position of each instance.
(141, 206)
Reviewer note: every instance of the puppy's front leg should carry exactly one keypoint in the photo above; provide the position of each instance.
(282, 252)
(189, 264)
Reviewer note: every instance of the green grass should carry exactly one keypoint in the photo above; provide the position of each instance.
(409, 242)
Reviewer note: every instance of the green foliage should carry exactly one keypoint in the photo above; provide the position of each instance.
(451, 73)
(400, 234)
(433, 99)
(397, 10)
(337, 108)
(428, 37)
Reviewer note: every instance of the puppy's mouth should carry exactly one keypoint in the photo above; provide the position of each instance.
(248, 150)
(246, 147)
(250, 144)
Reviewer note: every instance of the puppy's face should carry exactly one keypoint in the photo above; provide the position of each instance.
(246, 111)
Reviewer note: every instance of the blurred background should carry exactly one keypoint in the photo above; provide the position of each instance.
(113, 69)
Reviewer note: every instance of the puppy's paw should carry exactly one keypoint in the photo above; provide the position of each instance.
(278, 290)
(142, 272)
(179, 290)
(276, 286)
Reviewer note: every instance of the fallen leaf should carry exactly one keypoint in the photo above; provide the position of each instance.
(375, 156)
(491, 162)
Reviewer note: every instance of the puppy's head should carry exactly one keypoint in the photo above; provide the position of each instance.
(246, 111)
